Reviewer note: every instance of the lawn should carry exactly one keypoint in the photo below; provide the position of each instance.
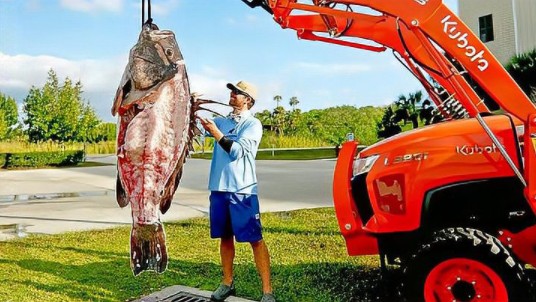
(309, 263)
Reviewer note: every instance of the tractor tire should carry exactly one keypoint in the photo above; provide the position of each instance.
(464, 264)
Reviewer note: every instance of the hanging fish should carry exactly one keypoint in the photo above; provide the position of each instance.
(155, 130)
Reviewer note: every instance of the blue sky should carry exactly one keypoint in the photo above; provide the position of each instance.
(221, 40)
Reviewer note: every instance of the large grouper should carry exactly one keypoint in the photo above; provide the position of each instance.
(156, 125)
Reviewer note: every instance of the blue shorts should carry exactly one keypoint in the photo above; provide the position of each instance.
(233, 214)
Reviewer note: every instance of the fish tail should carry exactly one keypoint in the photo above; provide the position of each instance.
(148, 248)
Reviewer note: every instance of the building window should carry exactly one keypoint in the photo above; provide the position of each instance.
(485, 25)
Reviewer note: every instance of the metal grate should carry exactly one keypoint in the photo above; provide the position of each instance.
(185, 297)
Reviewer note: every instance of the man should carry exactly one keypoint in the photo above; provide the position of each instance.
(234, 206)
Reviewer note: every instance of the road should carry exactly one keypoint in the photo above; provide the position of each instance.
(280, 181)
(58, 200)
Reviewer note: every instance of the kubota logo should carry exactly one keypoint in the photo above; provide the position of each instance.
(451, 29)
(476, 149)
(422, 2)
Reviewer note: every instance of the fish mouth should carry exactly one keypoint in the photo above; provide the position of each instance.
(144, 84)
(127, 88)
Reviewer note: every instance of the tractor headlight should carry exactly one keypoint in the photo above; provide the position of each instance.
(363, 165)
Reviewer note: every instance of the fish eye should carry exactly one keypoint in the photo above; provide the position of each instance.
(169, 52)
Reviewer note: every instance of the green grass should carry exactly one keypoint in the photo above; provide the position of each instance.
(309, 263)
(89, 148)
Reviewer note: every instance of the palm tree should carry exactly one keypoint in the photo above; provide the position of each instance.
(294, 102)
(278, 118)
(388, 126)
(522, 68)
(407, 109)
(427, 112)
(277, 99)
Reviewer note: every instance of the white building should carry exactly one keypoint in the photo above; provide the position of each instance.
(508, 27)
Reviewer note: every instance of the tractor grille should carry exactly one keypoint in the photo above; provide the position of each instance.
(185, 297)
(361, 197)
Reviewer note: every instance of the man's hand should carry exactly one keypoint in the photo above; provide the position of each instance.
(210, 127)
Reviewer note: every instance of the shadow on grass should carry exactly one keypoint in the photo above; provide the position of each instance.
(112, 280)
(297, 231)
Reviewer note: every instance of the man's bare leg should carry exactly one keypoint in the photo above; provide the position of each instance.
(262, 261)
(227, 254)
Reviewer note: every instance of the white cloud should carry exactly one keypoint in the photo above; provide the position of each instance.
(99, 77)
(92, 5)
(332, 68)
(23, 71)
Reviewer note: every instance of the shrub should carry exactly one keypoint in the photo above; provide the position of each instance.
(2, 160)
(41, 159)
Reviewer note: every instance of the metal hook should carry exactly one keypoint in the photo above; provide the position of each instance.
(149, 19)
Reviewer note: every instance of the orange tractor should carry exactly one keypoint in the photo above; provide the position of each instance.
(453, 204)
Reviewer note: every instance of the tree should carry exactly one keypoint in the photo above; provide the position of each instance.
(407, 109)
(294, 102)
(265, 117)
(292, 121)
(106, 132)
(333, 124)
(523, 69)
(277, 99)
(87, 130)
(278, 118)
(37, 118)
(388, 125)
(427, 112)
(57, 112)
(3, 125)
(10, 111)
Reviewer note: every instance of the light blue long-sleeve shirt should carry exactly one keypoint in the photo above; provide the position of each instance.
(235, 171)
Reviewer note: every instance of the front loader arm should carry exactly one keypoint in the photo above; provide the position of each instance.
(388, 32)
(428, 22)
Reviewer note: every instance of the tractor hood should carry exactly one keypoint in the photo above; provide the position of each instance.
(461, 137)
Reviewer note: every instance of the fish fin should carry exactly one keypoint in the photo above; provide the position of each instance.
(172, 184)
(171, 187)
(195, 130)
(197, 140)
(209, 110)
(197, 102)
(124, 88)
(148, 248)
(117, 101)
(120, 194)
